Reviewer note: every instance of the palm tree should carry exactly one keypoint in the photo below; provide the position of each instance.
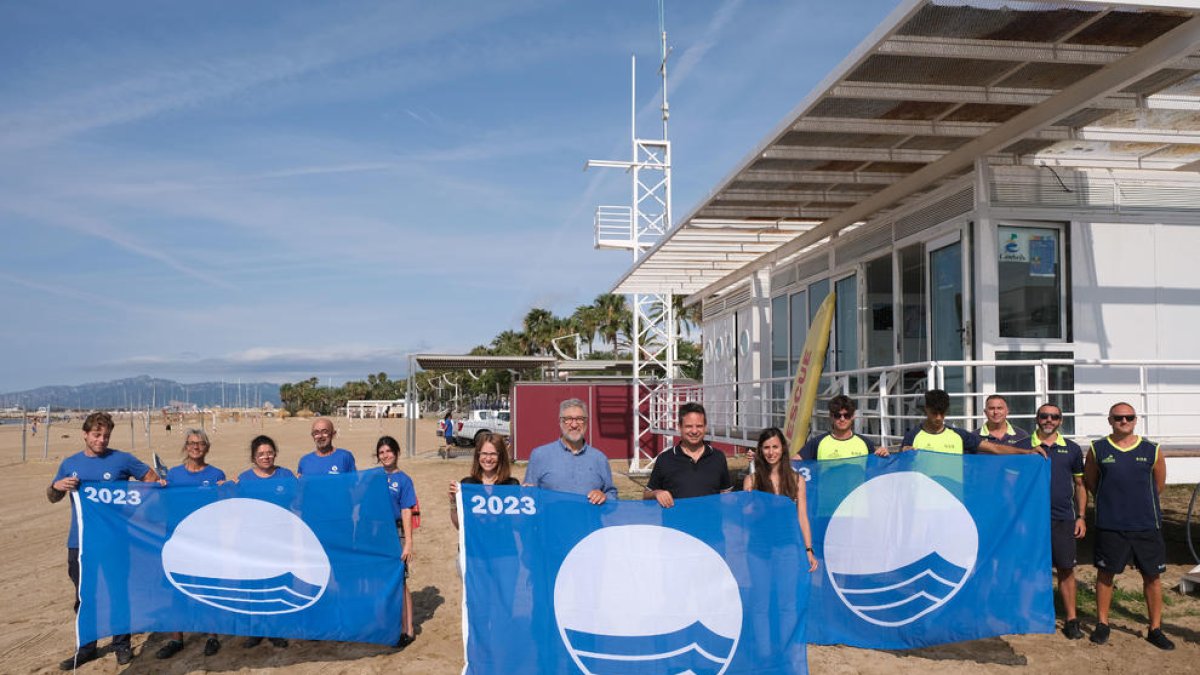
(510, 343)
(541, 326)
(585, 321)
(613, 318)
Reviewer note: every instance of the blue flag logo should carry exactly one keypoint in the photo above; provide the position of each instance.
(673, 629)
(259, 581)
(898, 585)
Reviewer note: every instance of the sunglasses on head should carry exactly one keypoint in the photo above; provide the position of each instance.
(1049, 416)
(1123, 418)
(844, 415)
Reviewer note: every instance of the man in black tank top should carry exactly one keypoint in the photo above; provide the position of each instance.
(1126, 473)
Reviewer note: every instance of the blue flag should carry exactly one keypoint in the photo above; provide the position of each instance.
(316, 559)
(925, 548)
(553, 584)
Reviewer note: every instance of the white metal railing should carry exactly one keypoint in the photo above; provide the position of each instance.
(890, 399)
(614, 227)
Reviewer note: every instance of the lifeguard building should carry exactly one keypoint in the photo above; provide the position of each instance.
(1005, 197)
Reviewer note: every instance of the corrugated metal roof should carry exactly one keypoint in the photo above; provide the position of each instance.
(938, 85)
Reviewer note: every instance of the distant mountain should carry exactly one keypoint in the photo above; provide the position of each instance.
(144, 391)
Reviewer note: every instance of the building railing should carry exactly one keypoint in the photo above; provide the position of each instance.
(890, 399)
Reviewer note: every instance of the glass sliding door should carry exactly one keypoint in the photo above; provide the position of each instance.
(846, 324)
(946, 309)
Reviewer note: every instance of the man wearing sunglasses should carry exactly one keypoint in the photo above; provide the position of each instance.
(1126, 473)
(569, 464)
(1068, 503)
(841, 441)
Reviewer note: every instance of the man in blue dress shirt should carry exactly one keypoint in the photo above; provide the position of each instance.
(325, 459)
(569, 464)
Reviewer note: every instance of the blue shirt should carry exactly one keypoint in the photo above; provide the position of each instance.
(280, 474)
(335, 463)
(111, 466)
(179, 476)
(1126, 496)
(401, 490)
(448, 432)
(1066, 463)
(555, 467)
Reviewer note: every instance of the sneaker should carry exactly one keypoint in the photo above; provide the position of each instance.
(211, 646)
(279, 642)
(251, 642)
(170, 649)
(125, 655)
(79, 658)
(1100, 634)
(1071, 629)
(1158, 639)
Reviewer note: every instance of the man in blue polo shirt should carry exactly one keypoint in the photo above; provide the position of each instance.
(325, 459)
(96, 463)
(1068, 503)
(1126, 473)
(690, 469)
(997, 427)
(569, 464)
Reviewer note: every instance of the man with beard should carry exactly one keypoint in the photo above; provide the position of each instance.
(1068, 502)
(569, 464)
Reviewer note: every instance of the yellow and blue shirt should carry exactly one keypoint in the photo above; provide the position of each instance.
(1066, 464)
(826, 446)
(1012, 435)
(949, 440)
(1126, 496)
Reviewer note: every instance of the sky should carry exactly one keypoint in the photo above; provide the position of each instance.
(278, 190)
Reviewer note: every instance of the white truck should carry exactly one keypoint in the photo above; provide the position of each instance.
(481, 422)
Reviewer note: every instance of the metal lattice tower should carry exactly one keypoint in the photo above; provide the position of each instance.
(637, 229)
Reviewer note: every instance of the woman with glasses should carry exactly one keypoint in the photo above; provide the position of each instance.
(404, 501)
(262, 455)
(773, 473)
(490, 466)
(262, 459)
(194, 472)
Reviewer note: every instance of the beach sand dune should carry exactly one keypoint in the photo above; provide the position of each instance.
(37, 630)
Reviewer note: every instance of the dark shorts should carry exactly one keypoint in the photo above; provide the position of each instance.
(407, 565)
(1115, 548)
(1062, 544)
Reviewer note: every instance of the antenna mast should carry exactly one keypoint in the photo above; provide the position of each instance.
(637, 228)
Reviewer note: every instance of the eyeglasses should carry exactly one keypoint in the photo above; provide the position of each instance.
(1049, 416)
(841, 415)
(1123, 418)
(572, 420)
(195, 444)
(322, 432)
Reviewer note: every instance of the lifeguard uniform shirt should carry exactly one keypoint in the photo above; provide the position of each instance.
(1066, 464)
(1012, 435)
(949, 440)
(338, 462)
(1126, 496)
(826, 446)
